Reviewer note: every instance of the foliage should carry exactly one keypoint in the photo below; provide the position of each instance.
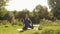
(55, 7)
(39, 13)
(2, 12)
(21, 14)
(2, 8)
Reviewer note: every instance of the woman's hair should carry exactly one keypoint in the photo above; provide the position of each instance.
(25, 15)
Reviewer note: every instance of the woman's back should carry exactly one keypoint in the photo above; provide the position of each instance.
(27, 22)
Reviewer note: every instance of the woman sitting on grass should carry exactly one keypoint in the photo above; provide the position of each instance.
(27, 23)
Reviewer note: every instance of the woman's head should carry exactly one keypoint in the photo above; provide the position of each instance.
(25, 16)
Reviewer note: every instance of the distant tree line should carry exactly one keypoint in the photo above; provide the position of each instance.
(38, 13)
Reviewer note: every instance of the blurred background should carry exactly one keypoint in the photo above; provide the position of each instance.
(43, 12)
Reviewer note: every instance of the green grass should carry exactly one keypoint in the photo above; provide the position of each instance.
(47, 28)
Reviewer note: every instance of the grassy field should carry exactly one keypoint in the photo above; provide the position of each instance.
(47, 28)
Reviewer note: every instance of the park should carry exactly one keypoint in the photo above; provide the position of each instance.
(43, 20)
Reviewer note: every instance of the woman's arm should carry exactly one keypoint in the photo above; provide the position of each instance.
(30, 21)
(22, 21)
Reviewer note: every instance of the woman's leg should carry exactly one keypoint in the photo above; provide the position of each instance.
(25, 28)
(31, 26)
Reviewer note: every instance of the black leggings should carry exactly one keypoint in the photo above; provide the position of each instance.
(25, 28)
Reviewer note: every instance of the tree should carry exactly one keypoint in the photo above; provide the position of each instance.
(2, 8)
(15, 13)
(9, 16)
(2, 12)
(26, 11)
(40, 12)
(22, 13)
(50, 16)
(55, 7)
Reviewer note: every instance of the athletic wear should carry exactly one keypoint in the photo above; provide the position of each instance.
(26, 22)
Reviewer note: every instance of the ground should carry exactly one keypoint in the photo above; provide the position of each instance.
(47, 28)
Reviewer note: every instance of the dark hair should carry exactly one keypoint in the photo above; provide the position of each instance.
(24, 15)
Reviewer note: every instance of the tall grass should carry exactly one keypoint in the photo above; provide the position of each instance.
(48, 27)
(50, 31)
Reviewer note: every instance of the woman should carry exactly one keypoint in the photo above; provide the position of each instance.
(27, 23)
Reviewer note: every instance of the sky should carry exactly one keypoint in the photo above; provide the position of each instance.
(25, 4)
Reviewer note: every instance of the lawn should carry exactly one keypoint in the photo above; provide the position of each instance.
(47, 28)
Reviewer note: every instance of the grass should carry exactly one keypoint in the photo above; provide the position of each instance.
(47, 28)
